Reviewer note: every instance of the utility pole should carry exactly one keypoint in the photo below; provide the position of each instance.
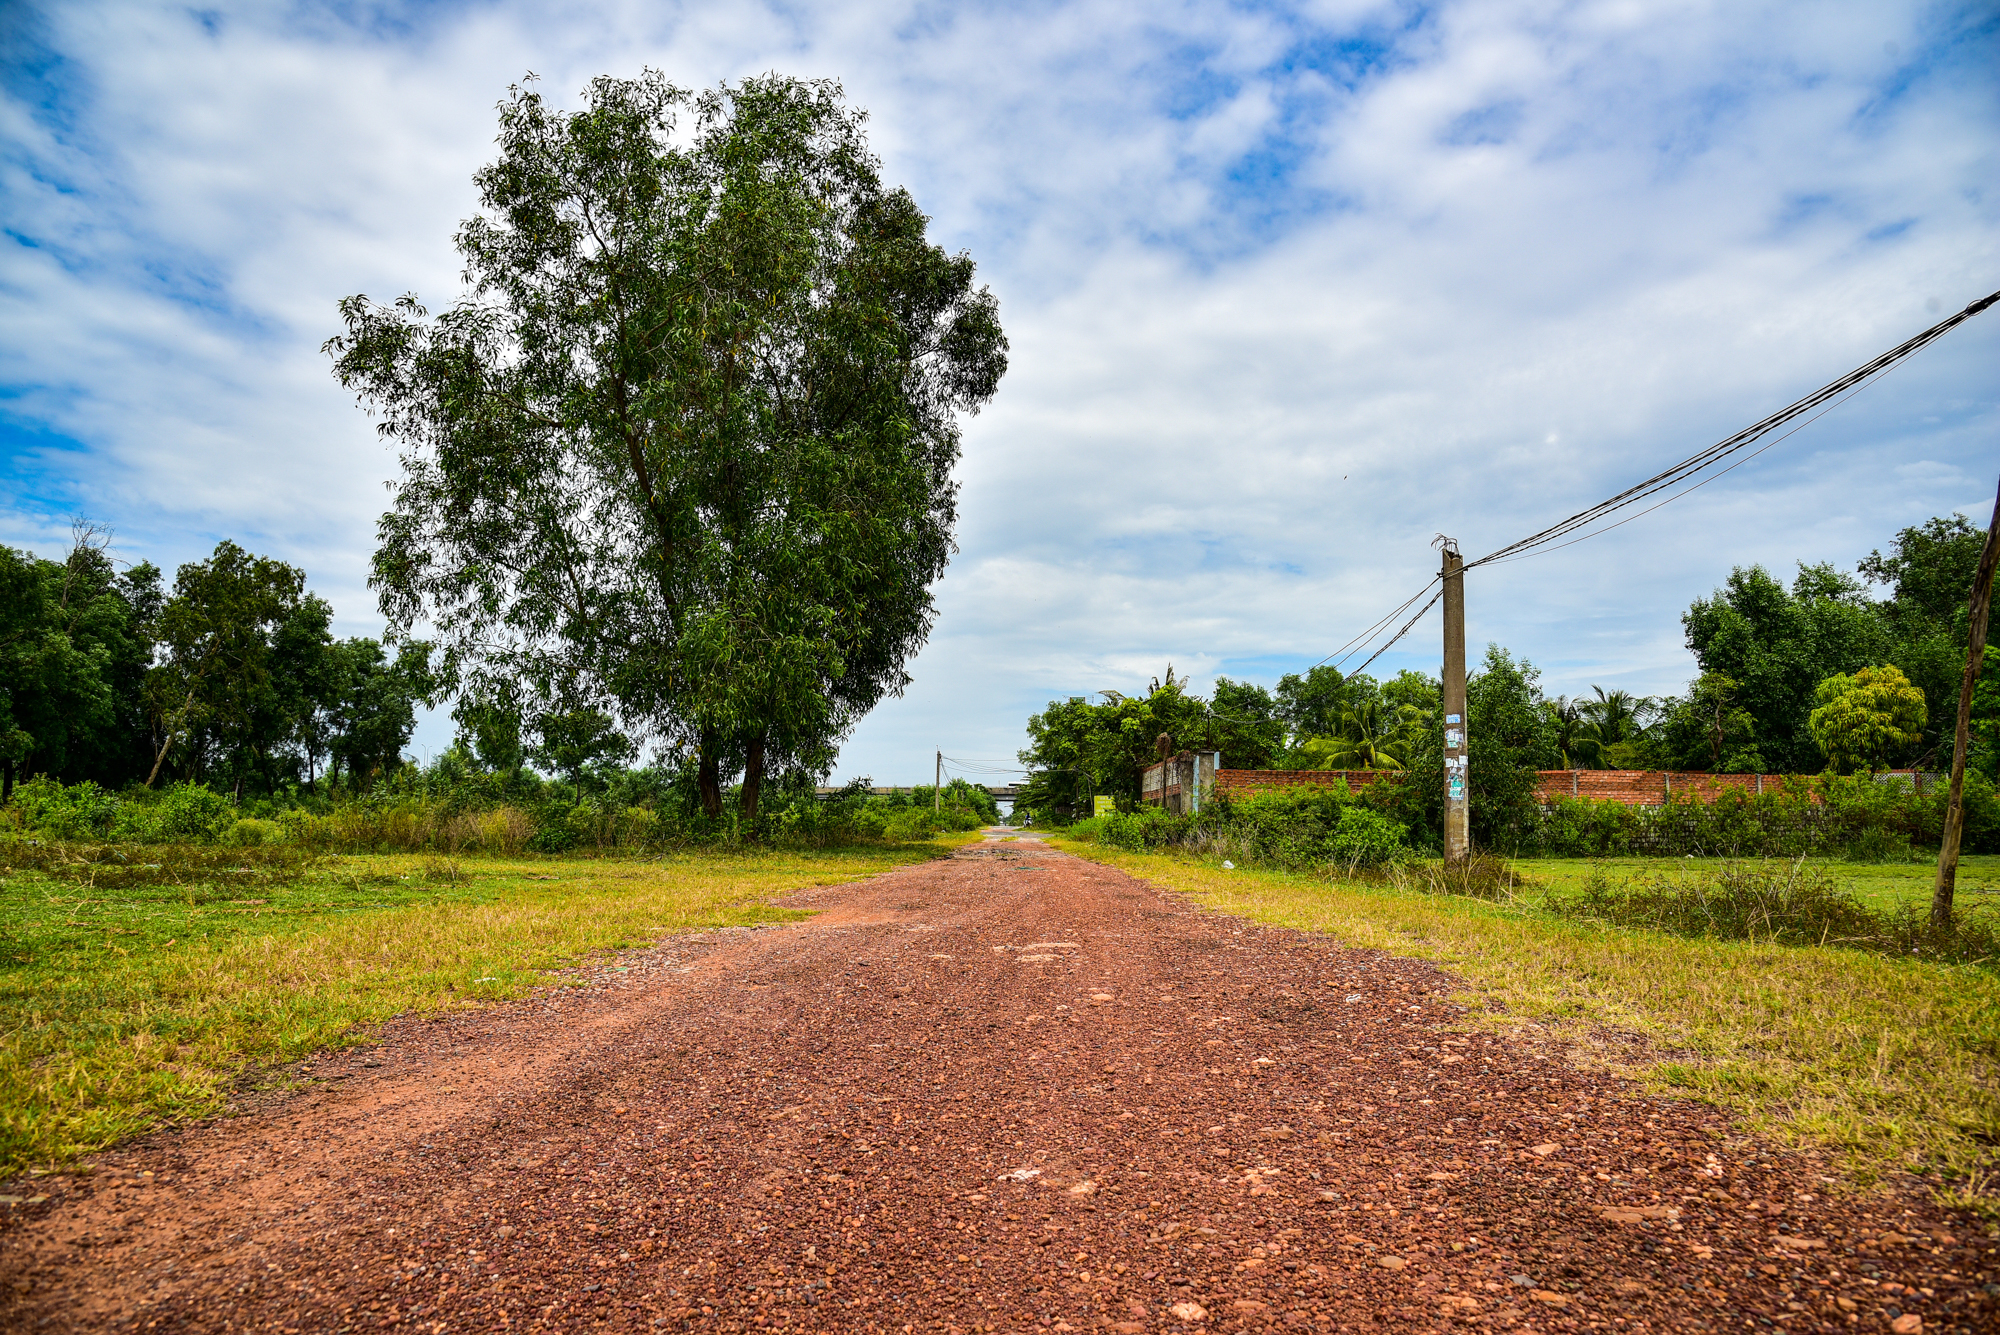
(1975, 656)
(1457, 824)
(937, 786)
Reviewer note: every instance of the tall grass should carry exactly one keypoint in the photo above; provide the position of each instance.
(1787, 903)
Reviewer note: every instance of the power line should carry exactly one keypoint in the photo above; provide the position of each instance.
(1831, 395)
(1722, 449)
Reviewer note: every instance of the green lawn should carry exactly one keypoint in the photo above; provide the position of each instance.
(1893, 1063)
(124, 1007)
(1880, 885)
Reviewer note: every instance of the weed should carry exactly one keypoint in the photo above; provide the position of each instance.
(443, 871)
(1785, 903)
(1479, 877)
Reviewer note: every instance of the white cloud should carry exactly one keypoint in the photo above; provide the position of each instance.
(1289, 291)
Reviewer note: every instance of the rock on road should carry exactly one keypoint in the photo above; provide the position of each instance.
(1009, 1090)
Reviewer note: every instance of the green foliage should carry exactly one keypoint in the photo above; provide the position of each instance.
(1856, 818)
(684, 449)
(578, 741)
(1864, 721)
(1775, 647)
(74, 650)
(1786, 903)
(1078, 749)
(1303, 828)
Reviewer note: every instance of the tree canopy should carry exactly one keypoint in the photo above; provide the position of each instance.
(683, 451)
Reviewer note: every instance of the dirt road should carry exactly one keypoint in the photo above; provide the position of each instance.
(1008, 1091)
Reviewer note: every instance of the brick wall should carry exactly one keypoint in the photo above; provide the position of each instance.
(1250, 780)
(1634, 788)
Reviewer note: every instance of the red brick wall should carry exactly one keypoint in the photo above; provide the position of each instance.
(1635, 788)
(1249, 780)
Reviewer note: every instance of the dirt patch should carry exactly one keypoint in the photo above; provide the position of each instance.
(1007, 1091)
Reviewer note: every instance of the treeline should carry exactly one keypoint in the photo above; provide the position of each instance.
(1811, 678)
(453, 806)
(231, 678)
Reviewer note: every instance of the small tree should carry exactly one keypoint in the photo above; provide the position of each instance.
(215, 641)
(1863, 721)
(573, 742)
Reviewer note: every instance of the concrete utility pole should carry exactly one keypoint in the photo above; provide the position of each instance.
(937, 786)
(1457, 823)
(1975, 655)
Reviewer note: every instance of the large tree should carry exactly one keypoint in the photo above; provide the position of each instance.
(1776, 646)
(685, 446)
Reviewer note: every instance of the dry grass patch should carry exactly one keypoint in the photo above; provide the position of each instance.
(125, 1006)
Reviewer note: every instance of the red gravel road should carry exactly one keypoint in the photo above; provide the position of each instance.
(1007, 1091)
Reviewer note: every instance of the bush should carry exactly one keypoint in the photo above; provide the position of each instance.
(1858, 818)
(1478, 877)
(185, 813)
(1298, 828)
(1367, 839)
(253, 833)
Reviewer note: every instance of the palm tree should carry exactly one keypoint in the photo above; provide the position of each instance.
(1612, 718)
(1570, 724)
(1372, 736)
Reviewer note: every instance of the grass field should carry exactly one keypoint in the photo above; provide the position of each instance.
(1880, 885)
(1895, 1063)
(121, 1008)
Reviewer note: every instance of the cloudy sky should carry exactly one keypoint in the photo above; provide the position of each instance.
(1290, 289)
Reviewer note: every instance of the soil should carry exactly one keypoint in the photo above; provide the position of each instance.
(1007, 1091)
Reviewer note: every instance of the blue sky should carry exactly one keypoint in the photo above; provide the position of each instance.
(1290, 289)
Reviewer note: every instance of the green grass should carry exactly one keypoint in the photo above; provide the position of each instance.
(1894, 1063)
(125, 1007)
(1876, 884)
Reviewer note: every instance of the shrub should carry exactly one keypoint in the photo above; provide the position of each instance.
(1368, 839)
(253, 833)
(186, 813)
(1478, 877)
(47, 808)
(911, 825)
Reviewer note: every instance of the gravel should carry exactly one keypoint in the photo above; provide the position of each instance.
(1007, 1091)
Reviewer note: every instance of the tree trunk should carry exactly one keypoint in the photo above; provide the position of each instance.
(6, 783)
(160, 759)
(708, 778)
(1975, 657)
(753, 777)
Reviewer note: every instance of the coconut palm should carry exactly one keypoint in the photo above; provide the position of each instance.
(1613, 718)
(1372, 736)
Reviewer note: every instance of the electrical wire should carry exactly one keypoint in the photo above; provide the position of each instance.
(1354, 645)
(1831, 395)
(1399, 634)
(1536, 551)
(1722, 449)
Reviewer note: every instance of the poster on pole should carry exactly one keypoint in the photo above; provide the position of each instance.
(1103, 806)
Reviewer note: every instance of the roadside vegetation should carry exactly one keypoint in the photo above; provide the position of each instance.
(141, 984)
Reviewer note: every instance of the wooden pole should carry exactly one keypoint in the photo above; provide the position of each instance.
(937, 786)
(1457, 807)
(1975, 656)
